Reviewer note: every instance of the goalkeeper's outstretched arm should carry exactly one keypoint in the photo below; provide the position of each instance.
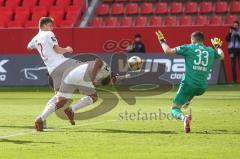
(220, 52)
(217, 43)
(165, 47)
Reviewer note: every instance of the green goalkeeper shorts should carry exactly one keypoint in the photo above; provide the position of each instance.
(185, 93)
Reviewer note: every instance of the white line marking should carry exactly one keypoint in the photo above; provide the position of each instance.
(48, 130)
(18, 134)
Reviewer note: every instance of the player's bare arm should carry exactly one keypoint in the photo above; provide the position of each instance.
(30, 45)
(217, 43)
(29, 48)
(165, 46)
(61, 50)
(97, 66)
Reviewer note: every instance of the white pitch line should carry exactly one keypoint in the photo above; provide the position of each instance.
(47, 130)
(18, 134)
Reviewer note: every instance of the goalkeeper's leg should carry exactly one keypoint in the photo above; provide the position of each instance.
(185, 106)
(180, 99)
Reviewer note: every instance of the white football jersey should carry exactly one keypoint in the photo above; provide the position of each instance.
(44, 42)
(104, 72)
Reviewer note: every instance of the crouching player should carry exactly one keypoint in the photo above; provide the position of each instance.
(198, 63)
(82, 77)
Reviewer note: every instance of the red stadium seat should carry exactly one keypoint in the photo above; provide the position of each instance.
(107, 1)
(155, 21)
(6, 14)
(120, 1)
(161, 8)
(200, 20)
(72, 12)
(221, 7)
(73, 9)
(229, 19)
(21, 15)
(146, 8)
(126, 21)
(22, 9)
(38, 12)
(58, 9)
(235, 7)
(15, 24)
(1, 2)
(176, 8)
(206, 7)
(117, 9)
(96, 22)
(215, 20)
(29, 3)
(12, 3)
(31, 24)
(71, 16)
(63, 3)
(191, 7)
(185, 20)
(102, 9)
(6, 9)
(171, 20)
(141, 21)
(136, 1)
(46, 3)
(131, 8)
(66, 24)
(111, 22)
(78, 2)
(57, 16)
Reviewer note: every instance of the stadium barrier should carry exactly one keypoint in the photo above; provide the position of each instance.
(113, 40)
(29, 70)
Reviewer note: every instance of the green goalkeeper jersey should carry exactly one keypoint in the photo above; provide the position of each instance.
(198, 63)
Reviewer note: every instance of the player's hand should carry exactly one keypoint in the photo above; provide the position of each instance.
(160, 36)
(216, 42)
(69, 49)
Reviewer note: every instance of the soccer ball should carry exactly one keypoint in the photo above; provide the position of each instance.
(135, 63)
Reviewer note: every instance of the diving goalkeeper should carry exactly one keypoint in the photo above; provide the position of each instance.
(198, 63)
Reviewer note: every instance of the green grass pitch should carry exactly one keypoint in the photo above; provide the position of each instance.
(215, 129)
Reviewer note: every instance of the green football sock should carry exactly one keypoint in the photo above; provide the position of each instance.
(177, 113)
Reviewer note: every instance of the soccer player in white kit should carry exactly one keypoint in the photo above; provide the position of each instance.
(68, 74)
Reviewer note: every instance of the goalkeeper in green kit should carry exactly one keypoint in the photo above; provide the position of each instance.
(198, 63)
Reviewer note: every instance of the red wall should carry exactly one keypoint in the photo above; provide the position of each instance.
(102, 40)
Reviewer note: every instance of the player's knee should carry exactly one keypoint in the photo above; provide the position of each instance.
(94, 97)
(52, 101)
(177, 105)
(61, 101)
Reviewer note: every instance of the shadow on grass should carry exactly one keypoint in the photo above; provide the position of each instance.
(19, 127)
(14, 126)
(217, 132)
(117, 131)
(24, 142)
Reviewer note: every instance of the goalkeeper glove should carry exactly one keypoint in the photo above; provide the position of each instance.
(160, 36)
(216, 42)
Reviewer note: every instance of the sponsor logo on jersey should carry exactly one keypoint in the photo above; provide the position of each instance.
(53, 39)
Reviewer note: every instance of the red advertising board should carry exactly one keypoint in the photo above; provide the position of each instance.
(111, 40)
